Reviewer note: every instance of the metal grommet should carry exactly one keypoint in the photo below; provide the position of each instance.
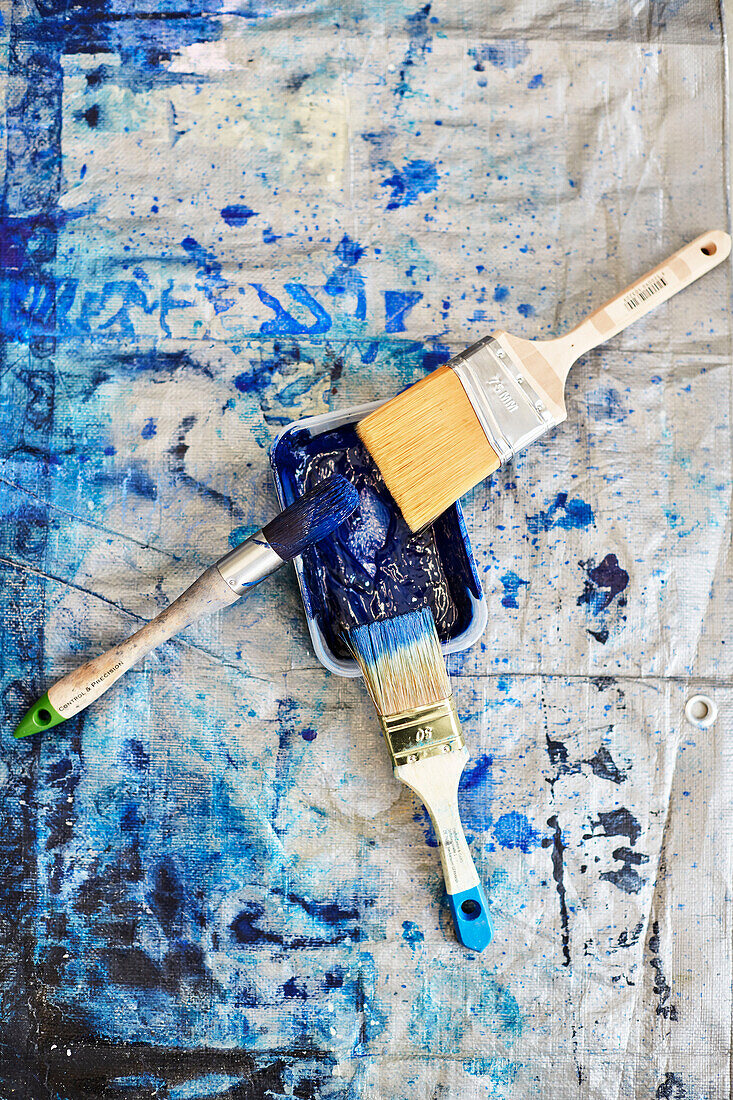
(701, 711)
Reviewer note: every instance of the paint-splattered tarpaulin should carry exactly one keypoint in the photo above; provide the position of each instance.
(217, 221)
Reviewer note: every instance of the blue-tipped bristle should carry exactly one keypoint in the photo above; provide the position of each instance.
(316, 514)
(401, 662)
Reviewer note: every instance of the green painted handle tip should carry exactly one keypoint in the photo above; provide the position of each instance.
(41, 716)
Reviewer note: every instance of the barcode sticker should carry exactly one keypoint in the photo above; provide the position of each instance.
(645, 292)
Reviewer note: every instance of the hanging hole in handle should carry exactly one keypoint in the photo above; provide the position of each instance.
(44, 716)
(470, 909)
(709, 249)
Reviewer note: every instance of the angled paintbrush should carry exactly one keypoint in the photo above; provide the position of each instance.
(405, 674)
(439, 438)
(314, 516)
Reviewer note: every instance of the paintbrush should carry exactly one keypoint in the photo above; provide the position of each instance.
(445, 434)
(405, 674)
(311, 518)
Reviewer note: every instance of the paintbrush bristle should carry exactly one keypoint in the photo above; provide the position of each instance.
(312, 517)
(429, 446)
(401, 662)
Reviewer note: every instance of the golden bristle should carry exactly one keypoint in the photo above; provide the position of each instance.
(401, 662)
(429, 446)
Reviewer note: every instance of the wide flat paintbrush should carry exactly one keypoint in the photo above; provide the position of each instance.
(439, 438)
(314, 516)
(405, 674)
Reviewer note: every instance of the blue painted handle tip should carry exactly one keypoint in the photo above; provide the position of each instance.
(470, 911)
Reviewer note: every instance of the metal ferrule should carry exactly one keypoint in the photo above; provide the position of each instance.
(509, 409)
(424, 731)
(249, 563)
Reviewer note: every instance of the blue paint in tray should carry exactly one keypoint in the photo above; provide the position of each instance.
(373, 567)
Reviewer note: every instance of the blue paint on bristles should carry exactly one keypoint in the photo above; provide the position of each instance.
(312, 517)
(401, 662)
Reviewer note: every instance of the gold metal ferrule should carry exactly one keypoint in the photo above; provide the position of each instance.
(425, 731)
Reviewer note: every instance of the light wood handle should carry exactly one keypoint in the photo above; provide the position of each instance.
(75, 691)
(643, 295)
(435, 782)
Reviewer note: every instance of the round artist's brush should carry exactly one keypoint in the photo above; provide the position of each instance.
(314, 516)
(405, 674)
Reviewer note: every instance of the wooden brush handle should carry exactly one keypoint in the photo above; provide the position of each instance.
(435, 781)
(78, 689)
(645, 294)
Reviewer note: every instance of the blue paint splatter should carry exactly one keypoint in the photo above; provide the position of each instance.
(512, 583)
(536, 81)
(149, 428)
(309, 734)
(567, 513)
(476, 793)
(417, 177)
(605, 581)
(237, 215)
(503, 55)
(411, 933)
(210, 280)
(501, 293)
(397, 303)
(525, 309)
(514, 830)
(604, 403)
(348, 251)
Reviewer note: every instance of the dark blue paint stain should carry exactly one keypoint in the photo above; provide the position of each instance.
(138, 481)
(514, 830)
(566, 512)
(536, 81)
(149, 428)
(210, 280)
(476, 792)
(237, 215)
(309, 733)
(625, 877)
(373, 566)
(285, 323)
(419, 45)
(672, 1087)
(661, 988)
(601, 763)
(346, 279)
(417, 177)
(397, 303)
(134, 755)
(604, 403)
(339, 925)
(525, 309)
(259, 376)
(557, 845)
(349, 252)
(166, 895)
(511, 584)
(269, 236)
(501, 293)
(91, 116)
(435, 357)
(619, 822)
(412, 934)
(605, 582)
(503, 55)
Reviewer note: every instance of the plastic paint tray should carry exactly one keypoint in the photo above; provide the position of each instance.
(437, 567)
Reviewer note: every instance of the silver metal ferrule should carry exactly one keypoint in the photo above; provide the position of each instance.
(423, 731)
(249, 563)
(509, 409)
